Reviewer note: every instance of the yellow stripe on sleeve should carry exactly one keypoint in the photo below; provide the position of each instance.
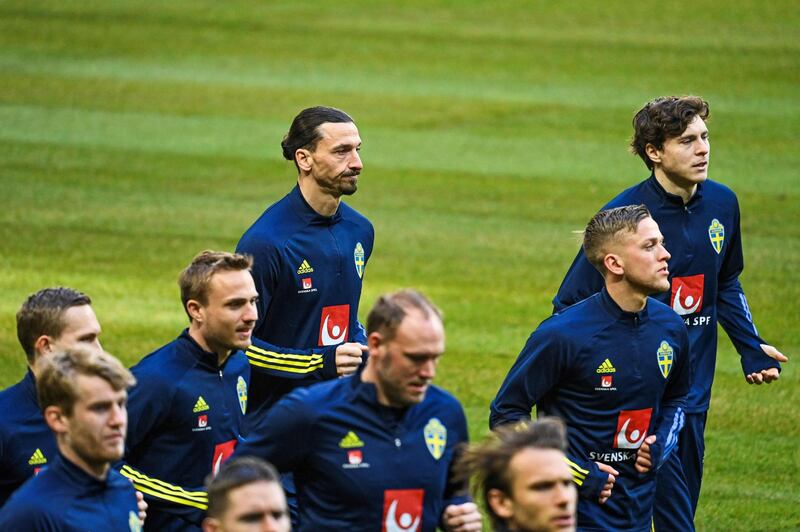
(164, 490)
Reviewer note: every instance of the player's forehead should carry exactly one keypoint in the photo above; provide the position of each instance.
(79, 319)
(696, 127)
(259, 496)
(531, 465)
(92, 389)
(648, 229)
(338, 133)
(420, 334)
(231, 284)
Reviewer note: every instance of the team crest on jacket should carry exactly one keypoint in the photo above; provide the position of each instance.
(435, 437)
(664, 354)
(716, 232)
(358, 258)
(241, 393)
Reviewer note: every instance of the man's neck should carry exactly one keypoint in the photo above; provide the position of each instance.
(197, 336)
(625, 297)
(96, 470)
(369, 374)
(323, 203)
(685, 191)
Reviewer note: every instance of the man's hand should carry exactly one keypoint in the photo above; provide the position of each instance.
(609, 485)
(462, 517)
(142, 506)
(766, 376)
(348, 358)
(644, 461)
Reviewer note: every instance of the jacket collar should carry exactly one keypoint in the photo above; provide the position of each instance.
(77, 477)
(673, 200)
(29, 386)
(205, 358)
(302, 209)
(614, 310)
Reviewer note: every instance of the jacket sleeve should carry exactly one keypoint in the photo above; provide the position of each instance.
(587, 477)
(673, 404)
(733, 311)
(288, 363)
(283, 436)
(148, 408)
(536, 371)
(582, 280)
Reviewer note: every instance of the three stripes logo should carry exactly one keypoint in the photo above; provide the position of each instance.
(200, 405)
(304, 268)
(350, 441)
(606, 367)
(37, 458)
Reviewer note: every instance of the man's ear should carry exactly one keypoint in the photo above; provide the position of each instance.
(55, 419)
(303, 158)
(374, 341)
(501, 503)
(653, 153)
(211, 524)
(614, 264)
(195, 310)
(43, 345)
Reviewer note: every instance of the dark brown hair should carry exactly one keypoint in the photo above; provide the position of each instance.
(304, 131)
(663, 118)
(42, 314)
(234, 474)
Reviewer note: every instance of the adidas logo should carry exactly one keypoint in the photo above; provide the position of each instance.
(200, 405)
(305, 267)
(37, 458)
(606, 367)
(350, 441)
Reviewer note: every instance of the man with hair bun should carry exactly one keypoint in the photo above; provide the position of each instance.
(700, 220)
(615, 368)
(82, 393)
(310, 250)
(522, 476)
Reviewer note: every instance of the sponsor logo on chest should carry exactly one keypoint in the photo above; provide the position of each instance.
(632, 428)
(333, 325)
(402, 510)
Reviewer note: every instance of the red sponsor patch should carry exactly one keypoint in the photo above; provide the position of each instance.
(306, 283)
(333, 324)
(687, 294)
(355, 457)
(632, 428)
(222, 451)
(202, 421)
(36, 470)
(606, 381)
(402, 510)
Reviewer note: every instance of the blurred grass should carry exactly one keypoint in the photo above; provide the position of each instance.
(135, 134)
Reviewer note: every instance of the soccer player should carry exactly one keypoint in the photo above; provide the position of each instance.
(310, 250)
(52, 319)
(615, 368)
(246, 496)
(375, 451)
(700, 222)
(82, 392)
(187, 410)
(523, 478)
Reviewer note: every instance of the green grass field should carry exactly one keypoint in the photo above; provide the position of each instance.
(135, 134)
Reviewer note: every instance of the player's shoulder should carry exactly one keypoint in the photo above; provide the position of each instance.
(664, 314)
(164, 367)
(717, 192)
(440, 396)
(574, 317)
(353, 216)
(273, 227)
(318, 397)
(632, 195)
